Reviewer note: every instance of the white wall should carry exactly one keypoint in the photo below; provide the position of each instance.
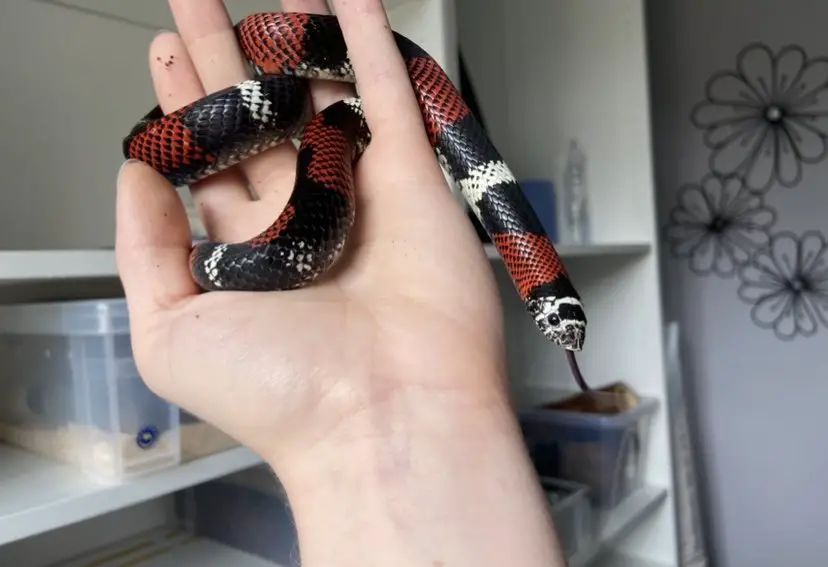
(757, 397)
(73, 86)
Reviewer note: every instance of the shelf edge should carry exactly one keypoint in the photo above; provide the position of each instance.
(95, 500)
(618, 560)
(587, 250)
(624, 520)
(20, 266)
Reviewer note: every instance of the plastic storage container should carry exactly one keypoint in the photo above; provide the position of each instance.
(604, 452)
(71, 391)
(247, 511)
(200, 439)
(571, 511)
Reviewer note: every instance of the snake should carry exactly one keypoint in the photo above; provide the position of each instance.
(284, 51)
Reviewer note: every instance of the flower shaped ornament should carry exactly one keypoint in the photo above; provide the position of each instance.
(766, 118)
(717, 224)
(787, 284)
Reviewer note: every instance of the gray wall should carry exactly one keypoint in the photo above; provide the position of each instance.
(756, 365)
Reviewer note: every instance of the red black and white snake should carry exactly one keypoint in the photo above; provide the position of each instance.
(222, 129)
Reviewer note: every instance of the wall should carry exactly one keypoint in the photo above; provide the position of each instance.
(754, 346)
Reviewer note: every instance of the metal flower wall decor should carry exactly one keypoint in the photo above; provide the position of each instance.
(786, 283)
(763, 121)
(767, 117)
(717, 224)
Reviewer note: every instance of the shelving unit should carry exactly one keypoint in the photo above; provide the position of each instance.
(543, 73)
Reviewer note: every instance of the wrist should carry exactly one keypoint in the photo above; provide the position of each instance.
(429, 479)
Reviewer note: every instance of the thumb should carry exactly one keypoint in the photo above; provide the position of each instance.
(152, 242)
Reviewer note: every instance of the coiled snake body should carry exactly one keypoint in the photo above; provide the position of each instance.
(225, 127)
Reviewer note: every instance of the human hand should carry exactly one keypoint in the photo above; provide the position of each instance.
(408, 316)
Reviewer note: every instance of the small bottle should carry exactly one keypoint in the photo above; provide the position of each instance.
(576, 229)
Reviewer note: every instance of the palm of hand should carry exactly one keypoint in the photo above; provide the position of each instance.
(404, 310)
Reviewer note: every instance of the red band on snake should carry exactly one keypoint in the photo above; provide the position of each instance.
(285, 50)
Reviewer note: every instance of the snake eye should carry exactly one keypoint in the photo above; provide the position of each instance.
(554, 319)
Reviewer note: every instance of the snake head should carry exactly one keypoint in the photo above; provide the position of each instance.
(561, 320)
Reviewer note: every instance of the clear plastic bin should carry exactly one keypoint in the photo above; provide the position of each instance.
(247, 511)
(606, 452)
(200, 439)
(571, 511)
(71, 390)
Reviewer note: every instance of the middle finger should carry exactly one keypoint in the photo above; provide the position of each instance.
(207, 31)
(324, 93)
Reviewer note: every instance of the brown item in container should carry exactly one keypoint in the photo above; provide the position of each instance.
(609, 400)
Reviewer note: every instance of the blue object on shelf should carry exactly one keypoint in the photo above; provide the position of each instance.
(541, 195)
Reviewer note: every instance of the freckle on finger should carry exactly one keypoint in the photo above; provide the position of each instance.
(174, 76)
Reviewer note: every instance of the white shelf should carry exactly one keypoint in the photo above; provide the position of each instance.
(620, 523)
(38, 494)
(168, 548)
(583, 251)
(20, 266)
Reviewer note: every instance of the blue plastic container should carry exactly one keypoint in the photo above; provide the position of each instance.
(604, 452)
(541, 195)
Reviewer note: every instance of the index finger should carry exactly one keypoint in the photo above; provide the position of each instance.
(383, 82)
